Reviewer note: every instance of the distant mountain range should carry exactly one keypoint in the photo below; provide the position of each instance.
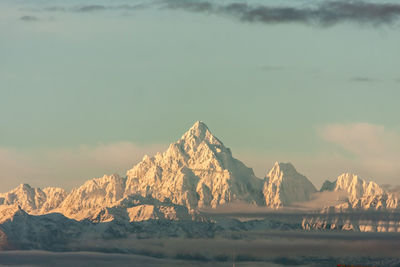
(175, 186)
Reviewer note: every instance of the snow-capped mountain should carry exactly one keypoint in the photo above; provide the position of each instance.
(170, 188)
(34, 200)
(196, 171)
(361, 194)
(283, 185)
(95, 194)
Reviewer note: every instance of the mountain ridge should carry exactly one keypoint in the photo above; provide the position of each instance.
(361, 193)
(196, 171)
(164, 196)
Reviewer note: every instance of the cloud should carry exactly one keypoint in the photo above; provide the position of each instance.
(68, 167)
(323, 14)
(94, 8)
(363, 139)
(326, 13)
(374, 147)
(90, 8)
(29, 18)
(271, 68)
(362, 79)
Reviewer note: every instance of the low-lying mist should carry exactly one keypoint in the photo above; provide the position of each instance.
(273, 248)
(259, 245)
(318, 201)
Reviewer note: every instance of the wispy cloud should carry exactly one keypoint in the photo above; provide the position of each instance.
(374, 147)
(362, 79)
(94, 8)
(363, 138)
(29, 18)
(271, 68)
(90, 8)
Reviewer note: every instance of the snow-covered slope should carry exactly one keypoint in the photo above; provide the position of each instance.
(34, 200)
(196, 171)
(136, 208)
(98, 193)
(283, 185)
(361, 194)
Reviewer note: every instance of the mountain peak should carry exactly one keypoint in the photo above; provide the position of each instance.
(328, 186)
(24, 186)
(199, 132)
(284, 185)
(280, 168)
(286, 166)
(196, 171)
(199, 124)
(348, 177)
(199, 129)
(361, 193)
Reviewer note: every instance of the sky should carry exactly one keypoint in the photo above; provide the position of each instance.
(89, 87)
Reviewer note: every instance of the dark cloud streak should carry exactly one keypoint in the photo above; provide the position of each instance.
(362, 79)
(324, 14)
(94, 8)
(90, 8)
(29, 18)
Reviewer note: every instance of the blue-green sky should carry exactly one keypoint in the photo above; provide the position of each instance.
(86, 91)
